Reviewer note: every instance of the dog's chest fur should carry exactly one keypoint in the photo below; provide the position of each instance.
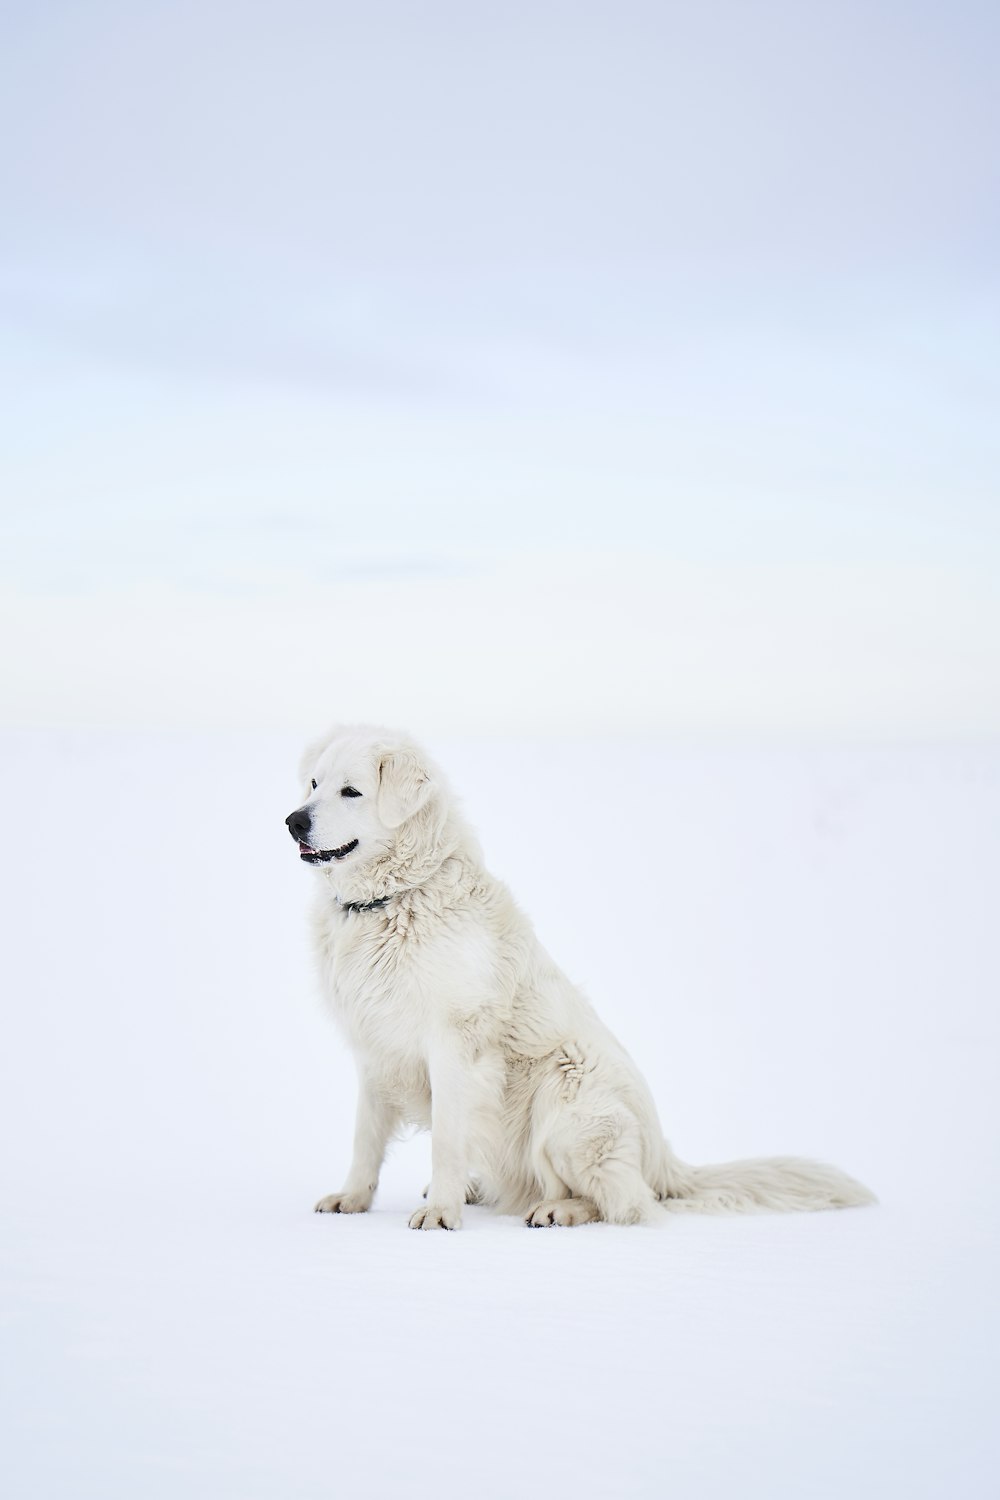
(394, 974)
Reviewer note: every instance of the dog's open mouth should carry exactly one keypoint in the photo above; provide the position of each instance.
(323, 856)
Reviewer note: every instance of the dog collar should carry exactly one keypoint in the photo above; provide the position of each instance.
(362, 905)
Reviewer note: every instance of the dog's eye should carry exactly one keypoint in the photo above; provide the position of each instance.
(314, 784)
(349, 791)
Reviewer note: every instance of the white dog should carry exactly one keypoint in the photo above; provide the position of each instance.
(460, 1022)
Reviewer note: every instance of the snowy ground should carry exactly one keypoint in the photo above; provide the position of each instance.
(812, 966)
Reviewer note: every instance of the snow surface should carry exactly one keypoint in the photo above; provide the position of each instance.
(812, 967)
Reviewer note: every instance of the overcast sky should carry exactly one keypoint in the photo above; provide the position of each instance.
(389, 311)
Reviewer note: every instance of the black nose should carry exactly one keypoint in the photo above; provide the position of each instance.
(299, 823)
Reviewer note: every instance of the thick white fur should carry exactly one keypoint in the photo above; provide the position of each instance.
(461, 1023)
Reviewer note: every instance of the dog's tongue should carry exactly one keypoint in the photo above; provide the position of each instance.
(305, 849)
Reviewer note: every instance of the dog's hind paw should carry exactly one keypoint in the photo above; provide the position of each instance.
(433, 1217)
(344, 1203)
(562, 1211)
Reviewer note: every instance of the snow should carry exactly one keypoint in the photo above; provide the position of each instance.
(811, 967)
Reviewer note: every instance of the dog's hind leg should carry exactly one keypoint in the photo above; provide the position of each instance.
(599, 1157)
(557, 1204)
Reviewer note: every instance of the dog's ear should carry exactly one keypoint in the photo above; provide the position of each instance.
(404, 785)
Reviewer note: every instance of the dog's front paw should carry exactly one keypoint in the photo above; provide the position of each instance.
(434, 1217)
(344, 1203)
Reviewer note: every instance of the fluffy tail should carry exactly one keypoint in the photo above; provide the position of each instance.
(775, 1184)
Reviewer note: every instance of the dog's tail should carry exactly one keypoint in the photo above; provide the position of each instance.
(775, 1184)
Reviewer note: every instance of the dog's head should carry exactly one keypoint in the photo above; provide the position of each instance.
(362, 785)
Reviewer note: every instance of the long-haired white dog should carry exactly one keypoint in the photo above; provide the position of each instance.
(461, 1022)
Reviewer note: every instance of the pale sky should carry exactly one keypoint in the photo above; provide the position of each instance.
(385, 313)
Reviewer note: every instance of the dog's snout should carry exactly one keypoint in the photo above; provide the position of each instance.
(299, 823)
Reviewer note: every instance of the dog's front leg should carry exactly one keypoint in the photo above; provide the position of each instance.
(375, 1122)
(454, 1089)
